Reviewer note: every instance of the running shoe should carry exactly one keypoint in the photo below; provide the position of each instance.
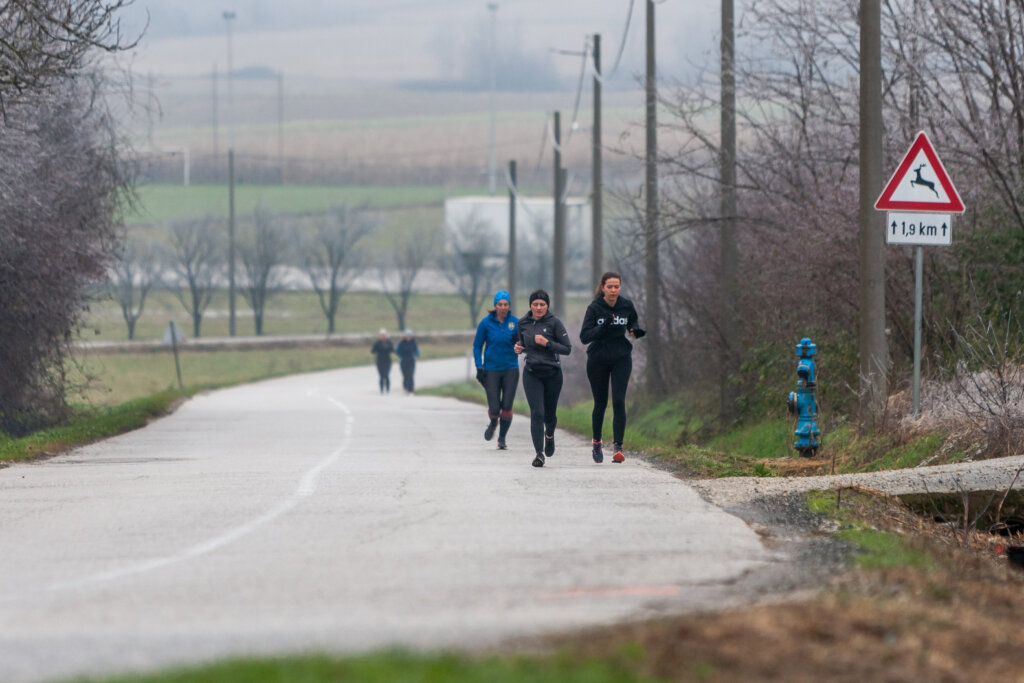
(501, 445)
(489, 432)
(618, 457)
(598, 452)
(539, 460)
(549, 445)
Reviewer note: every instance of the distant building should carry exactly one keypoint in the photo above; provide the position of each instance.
(484, 220)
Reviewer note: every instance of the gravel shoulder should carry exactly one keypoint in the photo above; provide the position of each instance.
(809, 554)
(983, 475)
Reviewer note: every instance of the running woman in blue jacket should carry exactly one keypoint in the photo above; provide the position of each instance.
(609, 318)
(407, 352)
(497, 365)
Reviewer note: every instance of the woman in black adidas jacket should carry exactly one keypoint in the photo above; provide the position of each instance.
(609, 318)
(543, 338)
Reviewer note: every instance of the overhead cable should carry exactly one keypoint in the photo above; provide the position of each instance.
(622, 44)
(579, 89)
(560, 145)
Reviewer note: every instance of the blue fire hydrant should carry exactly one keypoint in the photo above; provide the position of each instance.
(803, 402)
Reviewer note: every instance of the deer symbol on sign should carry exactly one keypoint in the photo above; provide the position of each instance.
(918, 180)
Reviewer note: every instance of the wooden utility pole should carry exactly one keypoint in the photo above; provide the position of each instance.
(558, 295)
(280, 127)
(728, 357)
(597, 231)
(874, 350)
(652, 288)
(512, 232)
(231, 242)
(216, 155)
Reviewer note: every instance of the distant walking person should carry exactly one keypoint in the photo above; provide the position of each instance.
(383, 348)
(609, 318)
(497, 365)
(407, 352)
(543, 337)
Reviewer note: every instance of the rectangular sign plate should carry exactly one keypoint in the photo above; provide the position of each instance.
(935, 229)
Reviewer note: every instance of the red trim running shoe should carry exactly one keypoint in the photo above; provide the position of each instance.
(618, 457)
(598, 451)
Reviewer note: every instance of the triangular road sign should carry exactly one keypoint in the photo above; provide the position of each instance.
(920, 183)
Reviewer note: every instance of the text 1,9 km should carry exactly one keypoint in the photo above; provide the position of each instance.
(918, 228)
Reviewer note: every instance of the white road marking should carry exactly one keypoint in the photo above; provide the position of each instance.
(307, 486)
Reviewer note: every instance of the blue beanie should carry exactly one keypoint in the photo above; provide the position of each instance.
(501, 294)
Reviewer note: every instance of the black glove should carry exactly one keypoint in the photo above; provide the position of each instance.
(637, 332)
(481, 376)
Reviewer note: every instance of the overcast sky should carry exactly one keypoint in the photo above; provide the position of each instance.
(408, 40)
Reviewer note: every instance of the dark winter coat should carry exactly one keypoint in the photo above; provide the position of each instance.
(543, 360)
(605, 328)
(383, 348)
(407, 351)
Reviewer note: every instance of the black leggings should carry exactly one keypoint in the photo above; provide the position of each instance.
(501, 392)
(408, 367)
(542, 395)
(599, 373)
(385, 376)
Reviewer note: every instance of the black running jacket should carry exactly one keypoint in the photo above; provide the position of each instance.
(605, 327)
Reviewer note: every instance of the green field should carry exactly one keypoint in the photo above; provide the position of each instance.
(121, 377)
(287, 313)
(161, 203)
(290, 313)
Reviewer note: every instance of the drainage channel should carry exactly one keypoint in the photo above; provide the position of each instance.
(995, 512)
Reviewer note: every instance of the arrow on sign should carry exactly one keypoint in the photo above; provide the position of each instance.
(919, 228)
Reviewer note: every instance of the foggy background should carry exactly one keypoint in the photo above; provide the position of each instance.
(403, 41)
(394, 91)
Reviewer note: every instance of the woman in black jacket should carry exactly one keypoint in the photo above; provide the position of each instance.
(382, 349)
(543, 337)
(609, 318)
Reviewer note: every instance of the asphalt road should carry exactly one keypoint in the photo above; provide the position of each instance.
(310, 512)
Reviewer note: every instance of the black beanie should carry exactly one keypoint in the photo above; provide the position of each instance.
(542, 295)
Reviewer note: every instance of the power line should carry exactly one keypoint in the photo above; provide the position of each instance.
(622, 44)
(579, 90)
(584, 54)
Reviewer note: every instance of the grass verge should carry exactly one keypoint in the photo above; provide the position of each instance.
(129, 390)
(403, 667)
(112, 379)
(675, 436)
(878, 549)
(90, 424)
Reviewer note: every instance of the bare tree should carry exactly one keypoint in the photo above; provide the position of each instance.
(406, 259)
(61, 188)
(134, 273)
(196, 256)
(331, 257)
(470, 265)
(261, 255)
(46, 41)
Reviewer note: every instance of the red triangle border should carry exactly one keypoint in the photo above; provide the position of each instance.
(885, 201)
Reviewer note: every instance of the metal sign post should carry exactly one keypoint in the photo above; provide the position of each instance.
(920, 199)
